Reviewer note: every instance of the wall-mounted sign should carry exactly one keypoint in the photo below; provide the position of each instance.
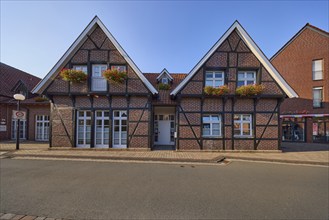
(315, 128)
(3, 127)
(19, 115)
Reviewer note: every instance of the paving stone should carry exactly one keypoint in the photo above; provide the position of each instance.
(7, 216)
(40, 218)
(18, 217)
(28, 217)
(49, 219)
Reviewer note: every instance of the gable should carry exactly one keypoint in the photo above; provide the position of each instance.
(236, 39)
(97, 37)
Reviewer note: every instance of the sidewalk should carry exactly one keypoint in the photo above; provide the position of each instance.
(42, 150)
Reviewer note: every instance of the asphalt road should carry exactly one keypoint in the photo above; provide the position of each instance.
(95, 190)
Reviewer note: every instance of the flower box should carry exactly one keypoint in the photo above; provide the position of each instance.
(115, 75)
(222, 90)
(249, 90)
(71, 75)
(163, 86)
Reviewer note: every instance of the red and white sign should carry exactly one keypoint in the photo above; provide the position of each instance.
(19, 115)
(315, 128)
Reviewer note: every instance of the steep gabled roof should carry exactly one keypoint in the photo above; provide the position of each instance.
(11, 78)
(77, 44)
(165, 71)
(307, 26)
(254, 49)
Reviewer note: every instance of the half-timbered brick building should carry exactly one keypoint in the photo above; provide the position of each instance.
(167, 109)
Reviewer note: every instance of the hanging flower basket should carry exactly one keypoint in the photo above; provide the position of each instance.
(115, 75)
(163, 86)
(249, 90)
(222, 90)
(71, 75)
(40, 99)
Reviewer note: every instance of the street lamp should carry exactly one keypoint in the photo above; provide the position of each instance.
(18, 97)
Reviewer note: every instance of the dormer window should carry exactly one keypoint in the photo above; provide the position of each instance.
(164, 80)
(164, 77)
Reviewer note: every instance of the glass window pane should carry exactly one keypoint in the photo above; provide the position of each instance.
(218, 75)
(215, 132)
(209, 75)
(209, 83)
(240, 76)
(240, 83)
(250, 75)
(249, 82)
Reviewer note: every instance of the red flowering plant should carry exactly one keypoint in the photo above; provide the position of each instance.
(72, 75)
(115, 75)
(222, 90)
(249, 90)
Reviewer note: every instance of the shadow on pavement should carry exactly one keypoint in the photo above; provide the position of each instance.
(303, 147)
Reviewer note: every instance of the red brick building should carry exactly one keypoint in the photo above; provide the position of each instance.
(36, 125)
(303, 63)
(152, 109)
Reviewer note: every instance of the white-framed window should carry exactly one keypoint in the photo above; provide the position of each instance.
(246, 78)
(83, 68)
(22, 129)
(317, 97)
(83, 128)
(42, 127)
(164, 80)
(317, 69)
(242, 125)
(98, 82)
(102, 129)
(211, 126)
(214, 78)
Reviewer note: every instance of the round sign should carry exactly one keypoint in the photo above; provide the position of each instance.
(19, 114)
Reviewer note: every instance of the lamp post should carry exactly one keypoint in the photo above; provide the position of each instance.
(18, 97)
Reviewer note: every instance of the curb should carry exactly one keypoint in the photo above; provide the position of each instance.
(212, 161)
(279, 160)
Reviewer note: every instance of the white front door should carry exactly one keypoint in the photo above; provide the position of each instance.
(119, 129)
(164, 133)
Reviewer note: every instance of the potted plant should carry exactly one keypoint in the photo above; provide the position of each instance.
(222, 90)
(115, 75)
(249, 90)
(72, 75)
(163, 86)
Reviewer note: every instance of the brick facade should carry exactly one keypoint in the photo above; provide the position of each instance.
(74, 105)
(294, 61)
(231, 56)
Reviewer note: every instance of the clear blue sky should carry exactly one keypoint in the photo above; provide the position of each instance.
(170, 34)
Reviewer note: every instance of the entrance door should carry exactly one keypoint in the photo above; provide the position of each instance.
(119, 129)
(164, 129)
(164, 133)
(102, 129)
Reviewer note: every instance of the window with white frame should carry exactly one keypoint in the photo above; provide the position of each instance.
(22, 129)
(82, 68)
(246, 78)
(98, 82)
(42, 128)
(242, 125)
(164, 80)
(317, 69)
(317, 97)
(214, 78)
(211, 126)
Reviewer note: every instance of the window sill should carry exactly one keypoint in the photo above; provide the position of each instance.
(212, 137)
(241, 136)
